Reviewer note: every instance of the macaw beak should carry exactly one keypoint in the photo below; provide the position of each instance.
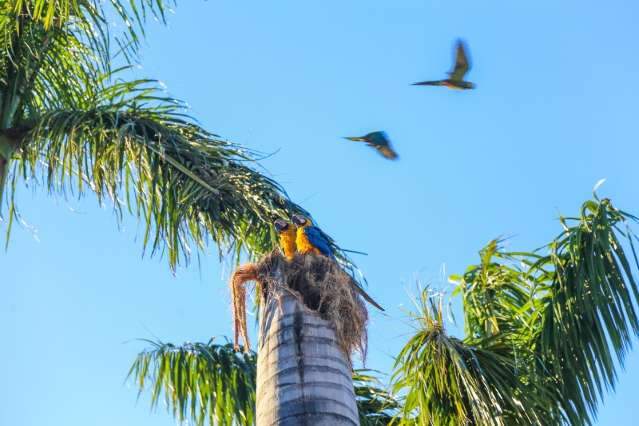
(354, 139)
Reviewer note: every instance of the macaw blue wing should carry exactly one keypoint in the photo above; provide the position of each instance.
(318, 240)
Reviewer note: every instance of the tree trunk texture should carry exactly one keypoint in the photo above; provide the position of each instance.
(4, 170)
(303, 378)
(6, 150)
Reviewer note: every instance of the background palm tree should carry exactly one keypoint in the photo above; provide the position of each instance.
(546, 331)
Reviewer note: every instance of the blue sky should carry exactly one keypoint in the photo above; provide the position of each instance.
(554, 111)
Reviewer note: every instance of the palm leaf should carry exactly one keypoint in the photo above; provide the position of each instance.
(447, 381)
(204, 383)
(589, 316)
(377, 406)
(212, 384)
(142, 152)
(572, 303)
(125, 140)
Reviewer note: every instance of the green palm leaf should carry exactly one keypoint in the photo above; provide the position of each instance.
(377, 406)
(567, 309)
(140, 151)
(204, 383)
(69, 120)
(212, 384)
(589, 316)
(448, 381)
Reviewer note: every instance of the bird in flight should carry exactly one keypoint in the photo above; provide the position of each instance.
(379, 141)
(455, 78)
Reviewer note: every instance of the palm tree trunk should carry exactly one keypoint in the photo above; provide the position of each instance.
(6, 150)
(303, 377)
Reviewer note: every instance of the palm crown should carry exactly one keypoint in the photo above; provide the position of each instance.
(73, 121)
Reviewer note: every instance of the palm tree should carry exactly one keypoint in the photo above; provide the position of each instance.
(545, 334)
(215, 384)
(303, 376)
(311, 319)
(546, 331)
(73, 119)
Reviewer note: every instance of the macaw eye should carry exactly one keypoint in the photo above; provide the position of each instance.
(299, 220)
(280, 225)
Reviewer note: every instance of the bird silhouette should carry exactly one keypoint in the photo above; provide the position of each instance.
(455, 78)
(379, 141)
(287, 233)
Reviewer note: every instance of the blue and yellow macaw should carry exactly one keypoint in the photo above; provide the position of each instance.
(379, 141)
(287, 234)
(455, 78)
(311, 239)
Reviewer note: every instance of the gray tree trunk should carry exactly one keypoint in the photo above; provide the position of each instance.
(303, 378)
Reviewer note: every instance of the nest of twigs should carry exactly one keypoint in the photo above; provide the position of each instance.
(316, 281)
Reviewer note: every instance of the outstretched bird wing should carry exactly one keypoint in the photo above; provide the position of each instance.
(387, 152)
(462, 63)
(316, 238)
(381, 142)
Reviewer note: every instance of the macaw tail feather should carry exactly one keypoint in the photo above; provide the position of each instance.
(428, 83)
(368, 298)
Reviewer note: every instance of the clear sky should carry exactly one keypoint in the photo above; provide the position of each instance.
(554, 111)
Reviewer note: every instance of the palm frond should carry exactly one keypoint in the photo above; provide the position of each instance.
(92, 16)
(377, 406)
(568, 309)
(204, 383)
(212, 384)
(129, 144)
(590, 299)
(447, 381)
(54, 48)
(501, 302)
(497, 294)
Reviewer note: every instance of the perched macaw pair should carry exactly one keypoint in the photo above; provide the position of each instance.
(303, 237)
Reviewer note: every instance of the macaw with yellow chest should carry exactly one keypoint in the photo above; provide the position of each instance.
(311, 239)
(287, 233)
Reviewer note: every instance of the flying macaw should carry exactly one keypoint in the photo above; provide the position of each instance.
(379, 141)
(311, 239)
(455, 78)
(287, 233)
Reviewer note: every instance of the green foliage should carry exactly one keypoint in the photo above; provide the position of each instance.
(376, 405)
(71, 121)
(566, 312)
(139, 150)
(589, 295)
(212, 384)
(205, 383)
(447, 381)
